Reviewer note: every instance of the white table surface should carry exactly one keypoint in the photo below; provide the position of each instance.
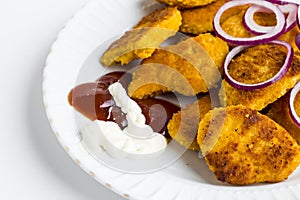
(33, 165)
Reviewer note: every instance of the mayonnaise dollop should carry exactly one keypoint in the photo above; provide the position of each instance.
(136, 141)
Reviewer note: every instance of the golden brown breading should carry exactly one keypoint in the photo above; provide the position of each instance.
(216, 48)
(178, 68)
(257, 64)
(242, 146)
(200, 20)
(234, 26)
(146, 36)
(184, 125)
(186, 3)
(279, 112)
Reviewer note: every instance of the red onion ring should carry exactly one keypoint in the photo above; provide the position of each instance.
(299, 16)
(277, 31)
(282, 2)
(293, 95)
(297, 40)
(279, 2)
(243, 86)
(251, 25)
(255, 28)
(291, 19)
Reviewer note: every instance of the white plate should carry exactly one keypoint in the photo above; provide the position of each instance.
(187, 178)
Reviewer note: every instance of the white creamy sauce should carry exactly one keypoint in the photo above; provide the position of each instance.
(136, 141)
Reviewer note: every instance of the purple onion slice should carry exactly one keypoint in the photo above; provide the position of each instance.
(293, 95)
(282, 2)
(298, 19)
(291, 19)
(253, 27)
(244, 86)
(274, 34)
(297, 40)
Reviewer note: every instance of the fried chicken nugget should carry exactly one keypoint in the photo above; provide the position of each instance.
(184, 125)
(146, 36)
(258, 64)
(216, 48)
(279, 112)
(242, 146)
(200, 20)
(186, 3)
(180, 68)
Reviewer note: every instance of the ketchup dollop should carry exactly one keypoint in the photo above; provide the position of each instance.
(94, 101)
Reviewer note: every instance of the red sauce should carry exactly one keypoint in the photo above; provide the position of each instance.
(118, 76)
(157, 112)
(94, 101)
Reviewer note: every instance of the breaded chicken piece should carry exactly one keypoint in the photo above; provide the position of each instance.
(200, 20)
(186, 3)
(258, 64)
(183, 126)
(279, 112)
(242, 146)
(216, 48)
(234, 26)
(146, 36)
(180, 68)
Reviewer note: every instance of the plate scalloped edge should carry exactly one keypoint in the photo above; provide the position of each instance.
(80, 36)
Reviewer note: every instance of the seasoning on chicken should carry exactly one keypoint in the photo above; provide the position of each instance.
(146, 36)
(242, 146)
(188, 68)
